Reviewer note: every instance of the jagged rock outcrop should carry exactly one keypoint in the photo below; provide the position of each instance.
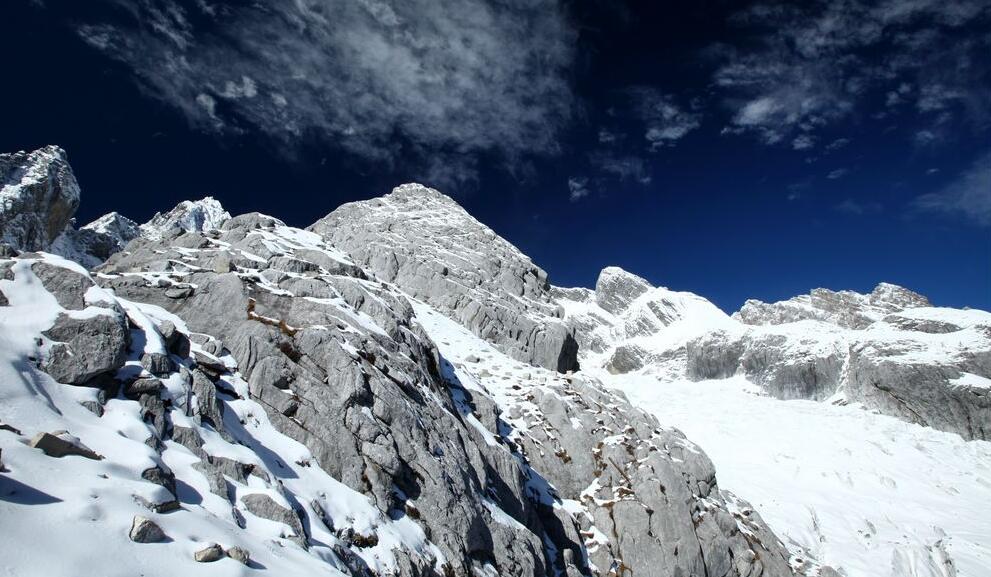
(642, 496)
(339, 366)
(626, 324)
(433, 250)
(347, 367)
(838, 346)
(846, 309)
(38, 197)
(189, 216)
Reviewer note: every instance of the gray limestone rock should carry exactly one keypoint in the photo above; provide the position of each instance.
(61, 444)
(38, 197)
(616, 289)
(84, 348)
(209, 554)
(844, 308)
(341, 365)
(69, 287)
(157, 363)
(263, 506)
(239, 554)
(429, 246)
(144, 530)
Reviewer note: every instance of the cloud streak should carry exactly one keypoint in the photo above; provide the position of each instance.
(969, 196)
(804, 66)
(379, 79)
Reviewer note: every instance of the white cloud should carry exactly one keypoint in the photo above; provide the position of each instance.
(807, 65)
(803, 142)
(665, 121)
(375, 77)
(858, 208)
(623, 167)
(968, 196)
(837, 144)
(578, 188)
(838, 173)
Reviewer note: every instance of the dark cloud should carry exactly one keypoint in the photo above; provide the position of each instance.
(379, 78)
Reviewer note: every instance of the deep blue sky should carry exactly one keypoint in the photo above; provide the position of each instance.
(734, 149)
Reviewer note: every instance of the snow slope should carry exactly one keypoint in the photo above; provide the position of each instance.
(870, 495)
(83, 509)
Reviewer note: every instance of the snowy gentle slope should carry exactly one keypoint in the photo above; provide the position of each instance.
(866, 493)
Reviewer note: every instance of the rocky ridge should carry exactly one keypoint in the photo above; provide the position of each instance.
(40, 196)
(287, 399)
(427, 245)
(889, 350)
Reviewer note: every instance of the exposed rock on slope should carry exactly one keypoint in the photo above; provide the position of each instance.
(433, 250)
(256, 388)
(38, 196)
(189, 216)
(626, 324)
(889, 350)
(342, 365)
(846, 309)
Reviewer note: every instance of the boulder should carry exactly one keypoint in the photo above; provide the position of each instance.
(261, 505)
(209, 554)
(86, 347)
(61, 444)
(240, 555)
(158, 364)
(144, 530)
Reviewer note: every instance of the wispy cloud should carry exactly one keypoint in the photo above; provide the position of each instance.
(859, 208)
(377, 78)
(969, 196)
(623, 167)
(578, 188)
(808, 65)
(665, 121)
(803, 142)
(838, 173)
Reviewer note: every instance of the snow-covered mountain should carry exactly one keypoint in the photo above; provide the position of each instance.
(188, 216)
(395, 391)
(889, 351)
(40, 195)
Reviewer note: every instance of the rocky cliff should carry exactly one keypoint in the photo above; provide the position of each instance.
(433, 250)
(378, 395)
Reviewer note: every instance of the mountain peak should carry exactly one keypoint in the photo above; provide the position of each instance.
(38, 197)
(616, 288)
(189, 215)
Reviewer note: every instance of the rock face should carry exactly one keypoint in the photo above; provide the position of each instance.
(433, 250)
(38, 197)
(626, 324)
(846, 309)
(889, 350)
(189, 216)
(106, 235)
(350, 369)
(644, 499)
